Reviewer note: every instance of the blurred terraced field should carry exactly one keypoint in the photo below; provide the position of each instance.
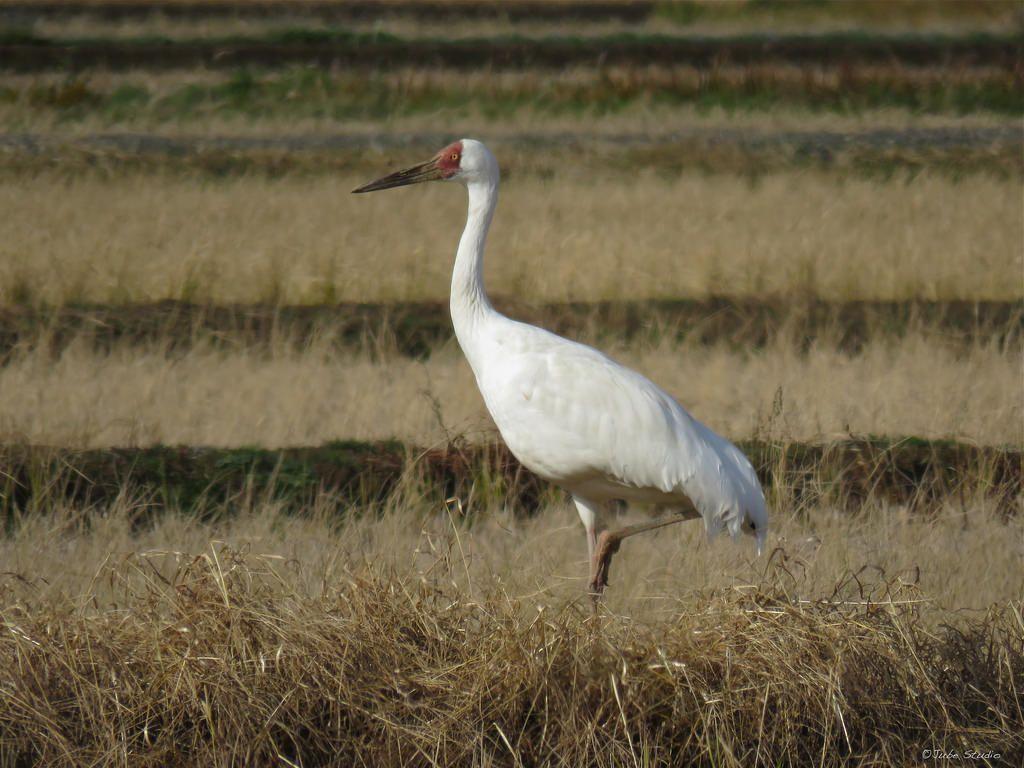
(236, 433)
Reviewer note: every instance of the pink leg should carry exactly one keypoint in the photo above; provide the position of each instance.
(594, 517)
(608, 544)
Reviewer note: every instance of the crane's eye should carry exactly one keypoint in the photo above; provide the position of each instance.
(455, 155)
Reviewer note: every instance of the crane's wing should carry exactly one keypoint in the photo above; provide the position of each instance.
(576, 417)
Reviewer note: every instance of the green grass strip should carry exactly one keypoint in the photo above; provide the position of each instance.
(418, 328)
(304, 92)
(910, 471)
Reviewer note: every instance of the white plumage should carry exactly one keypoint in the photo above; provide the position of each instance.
(576, 417)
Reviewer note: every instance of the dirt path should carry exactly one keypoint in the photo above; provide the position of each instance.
(330, 10)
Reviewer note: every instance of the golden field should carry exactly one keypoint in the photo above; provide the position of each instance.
(421, 633)
(582, 236)
(288, 394)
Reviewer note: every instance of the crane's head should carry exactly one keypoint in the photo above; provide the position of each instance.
(466, 160)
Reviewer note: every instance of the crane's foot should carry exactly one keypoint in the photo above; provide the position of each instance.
(607, 545)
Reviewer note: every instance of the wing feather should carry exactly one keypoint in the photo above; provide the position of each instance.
(574, 415)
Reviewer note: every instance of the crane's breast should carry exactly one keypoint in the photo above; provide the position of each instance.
(570, 416)
(543, 428)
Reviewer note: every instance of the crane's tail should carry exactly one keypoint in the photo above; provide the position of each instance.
(760, 536)
(758, 527)
(753, 523)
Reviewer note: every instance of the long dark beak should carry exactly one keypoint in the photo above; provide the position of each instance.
(427, 171)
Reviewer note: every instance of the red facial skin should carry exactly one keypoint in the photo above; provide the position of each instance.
(449, 158)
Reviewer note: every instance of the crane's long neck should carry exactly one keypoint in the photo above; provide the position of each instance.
(470, 306)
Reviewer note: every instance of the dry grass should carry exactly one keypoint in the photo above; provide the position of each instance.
(585, 236)
(287, 394)
(406, 640)
(539, 560)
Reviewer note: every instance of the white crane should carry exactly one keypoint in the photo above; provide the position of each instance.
(576, 417)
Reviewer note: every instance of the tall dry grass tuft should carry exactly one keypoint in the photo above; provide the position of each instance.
(222, 664)
(414, 638)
